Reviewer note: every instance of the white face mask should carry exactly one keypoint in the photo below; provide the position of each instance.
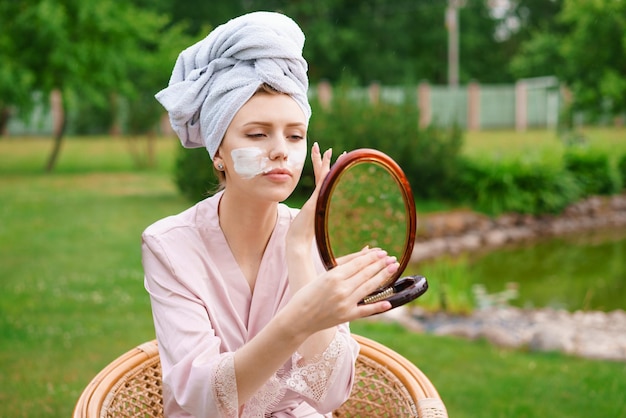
(251, 161)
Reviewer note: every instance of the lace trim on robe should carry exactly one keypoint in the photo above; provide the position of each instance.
(265, 399)
(313, 378)
(225, 386)
(310, 379)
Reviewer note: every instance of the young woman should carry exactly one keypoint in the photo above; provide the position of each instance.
(248, 322)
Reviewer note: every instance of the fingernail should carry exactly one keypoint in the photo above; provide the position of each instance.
(391, 259)
(381, 253)
(392, 268)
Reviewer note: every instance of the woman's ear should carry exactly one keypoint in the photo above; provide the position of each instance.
(218, 163)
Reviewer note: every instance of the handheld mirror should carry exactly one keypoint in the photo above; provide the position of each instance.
(366, 200)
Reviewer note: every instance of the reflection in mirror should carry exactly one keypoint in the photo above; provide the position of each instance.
(366, 200)
(367, 208)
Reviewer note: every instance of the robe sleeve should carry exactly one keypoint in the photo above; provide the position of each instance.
(199, 378)
(326, 380)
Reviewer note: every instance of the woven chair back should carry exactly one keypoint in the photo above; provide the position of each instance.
(386, 385)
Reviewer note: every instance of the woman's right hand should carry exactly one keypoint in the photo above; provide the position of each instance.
(333, 297)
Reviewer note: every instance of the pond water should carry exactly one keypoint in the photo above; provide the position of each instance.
(583, 271)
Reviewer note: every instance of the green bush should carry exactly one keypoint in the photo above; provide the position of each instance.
(621, 169)
(533, 183)
(592, 170)
(523, 186)
(193, 174)
(429, 157)
(87, 118)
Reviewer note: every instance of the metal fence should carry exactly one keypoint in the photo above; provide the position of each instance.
(533, 103)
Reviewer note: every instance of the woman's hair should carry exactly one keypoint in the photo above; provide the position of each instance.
(221, 176)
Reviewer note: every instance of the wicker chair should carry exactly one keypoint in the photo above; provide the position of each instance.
(387, 385)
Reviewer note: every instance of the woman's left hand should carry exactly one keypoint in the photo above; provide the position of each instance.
(302, 229)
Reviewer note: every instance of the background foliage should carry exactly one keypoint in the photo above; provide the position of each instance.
(543, 180)
(72, 296)
(429, 157)
(97, 49)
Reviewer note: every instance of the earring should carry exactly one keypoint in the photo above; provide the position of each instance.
(220, 166)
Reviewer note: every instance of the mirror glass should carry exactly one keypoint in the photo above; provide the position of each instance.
(366, 200)
(367, 207)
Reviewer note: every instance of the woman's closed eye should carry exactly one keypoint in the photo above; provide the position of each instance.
(256, 135)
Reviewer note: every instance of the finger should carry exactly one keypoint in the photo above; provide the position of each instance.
(371, 278)
(321, 168)
(365, 262)
(373, 308)
(318, 169)
(373, 282)
(346, 258)
(321, 164)
(316, 156)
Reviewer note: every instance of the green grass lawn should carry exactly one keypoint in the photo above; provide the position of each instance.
(477, 380)
(72, 296)
(540, 144)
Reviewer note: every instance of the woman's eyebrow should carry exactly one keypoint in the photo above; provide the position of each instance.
(257, 123)
(264, 123)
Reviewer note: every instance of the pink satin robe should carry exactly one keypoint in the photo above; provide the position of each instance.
(204, 311)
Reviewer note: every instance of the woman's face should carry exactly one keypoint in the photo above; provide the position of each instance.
(264, 148)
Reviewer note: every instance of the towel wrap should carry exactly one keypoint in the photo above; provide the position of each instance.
(215, 77)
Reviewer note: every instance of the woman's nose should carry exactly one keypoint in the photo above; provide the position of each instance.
(278, 148)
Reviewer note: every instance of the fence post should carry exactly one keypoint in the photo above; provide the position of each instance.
(324, 94)
(423, 104)
(521, 106)
(473, 106)
(374, 93)
(165, 126)
(115, 129)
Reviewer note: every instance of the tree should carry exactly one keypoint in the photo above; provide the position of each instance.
(16, 79)
(523, 18)
(594, 53)
(150, 72)
(483, 56)
(399, 42)
(85, 48)
(392, 42)
(586, 50)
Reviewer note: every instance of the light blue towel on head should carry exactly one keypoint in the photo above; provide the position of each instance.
(213, 78)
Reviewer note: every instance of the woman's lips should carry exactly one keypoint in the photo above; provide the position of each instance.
(279, 174)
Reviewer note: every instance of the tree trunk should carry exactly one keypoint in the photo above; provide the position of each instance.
(151, 148)
(57, 105)
(5, 115)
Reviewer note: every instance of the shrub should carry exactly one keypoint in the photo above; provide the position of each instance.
(429, 157)
(592, 170)
(621, 169)
(193, 173)
(87, 118)
(519, 185)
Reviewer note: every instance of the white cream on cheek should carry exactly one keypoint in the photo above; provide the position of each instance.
(295, 160)
(249, 161)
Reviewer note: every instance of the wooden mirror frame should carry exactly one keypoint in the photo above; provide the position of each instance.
(404, 290)
(348, 160)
